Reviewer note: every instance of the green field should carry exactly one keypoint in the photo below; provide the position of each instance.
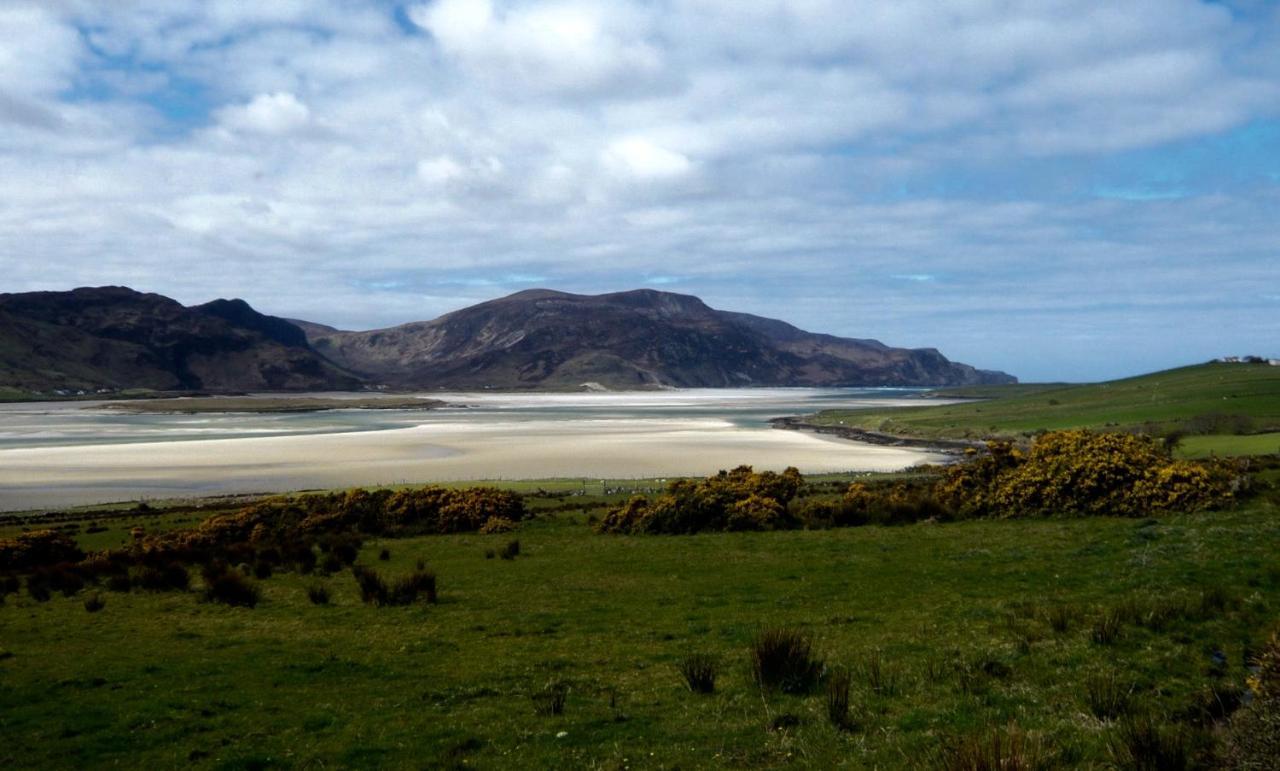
(1223, 399)
(957, 614)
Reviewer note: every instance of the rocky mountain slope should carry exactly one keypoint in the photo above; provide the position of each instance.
(637, 339)
(114, 337)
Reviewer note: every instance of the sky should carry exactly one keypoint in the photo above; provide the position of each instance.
(1064, 190)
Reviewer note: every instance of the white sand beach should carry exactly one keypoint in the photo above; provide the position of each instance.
(441, 450)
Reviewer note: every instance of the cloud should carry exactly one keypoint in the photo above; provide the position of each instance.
(638, 157)
(278, 113)
(812, 160)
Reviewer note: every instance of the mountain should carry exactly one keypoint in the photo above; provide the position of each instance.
(637, 339)
(114, 337)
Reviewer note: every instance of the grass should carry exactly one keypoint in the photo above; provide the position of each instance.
(583, 636)
(1186, 398)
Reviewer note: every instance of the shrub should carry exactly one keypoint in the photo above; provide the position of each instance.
(996, 750)
(741, 499)
(494, 525)
(510, 551)
(490, 554)
(318, 594)
(782, 658)
(119, 583)
(94, 603)
(384, 555)
(262, 570)
(38, 548)
(699, 671)
(330, 564)
(38, 587)
(230, 587)
(1253, 738)
(838, 699)
(173, 576)
(550, 699)
(1143, 742)
(1108, 698)
(9, 585)
(1081, 472)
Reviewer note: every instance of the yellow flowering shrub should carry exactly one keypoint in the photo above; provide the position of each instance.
(1080, 472)
(741, 499)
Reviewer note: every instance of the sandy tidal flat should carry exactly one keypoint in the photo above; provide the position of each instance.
(44, 477)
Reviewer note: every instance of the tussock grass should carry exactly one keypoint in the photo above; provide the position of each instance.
(782, 658)
(699, 671)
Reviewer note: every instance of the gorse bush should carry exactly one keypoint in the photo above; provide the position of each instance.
(1253, 738)
(38, 548)
(782, 658)
(1080, 472)
(94, 603)
(318, 594)
(741, 499)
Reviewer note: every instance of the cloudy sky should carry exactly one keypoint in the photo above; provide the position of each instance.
(1061, 189)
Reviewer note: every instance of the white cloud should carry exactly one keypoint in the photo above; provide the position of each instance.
(278, 113)
(640, 158)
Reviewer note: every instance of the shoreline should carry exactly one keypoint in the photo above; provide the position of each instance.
(951, 447)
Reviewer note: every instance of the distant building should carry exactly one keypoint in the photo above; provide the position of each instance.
(1274, 362)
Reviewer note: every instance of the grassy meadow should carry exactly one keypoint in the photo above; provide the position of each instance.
(1226, 407)
(1056, 627)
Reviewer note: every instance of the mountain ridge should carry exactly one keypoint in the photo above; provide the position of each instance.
(115, 337)
(640, 338)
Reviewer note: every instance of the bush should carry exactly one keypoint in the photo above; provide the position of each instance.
(782, 658)
(318, 594)
(94, 603)
(494, 525)
(119, 583)
(171, 577)
(229, 587)
(38, 548)
(384, 555)
(1253, 737)
(699, 671)
(741, 499)
(1081, 472)
(510, 551)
